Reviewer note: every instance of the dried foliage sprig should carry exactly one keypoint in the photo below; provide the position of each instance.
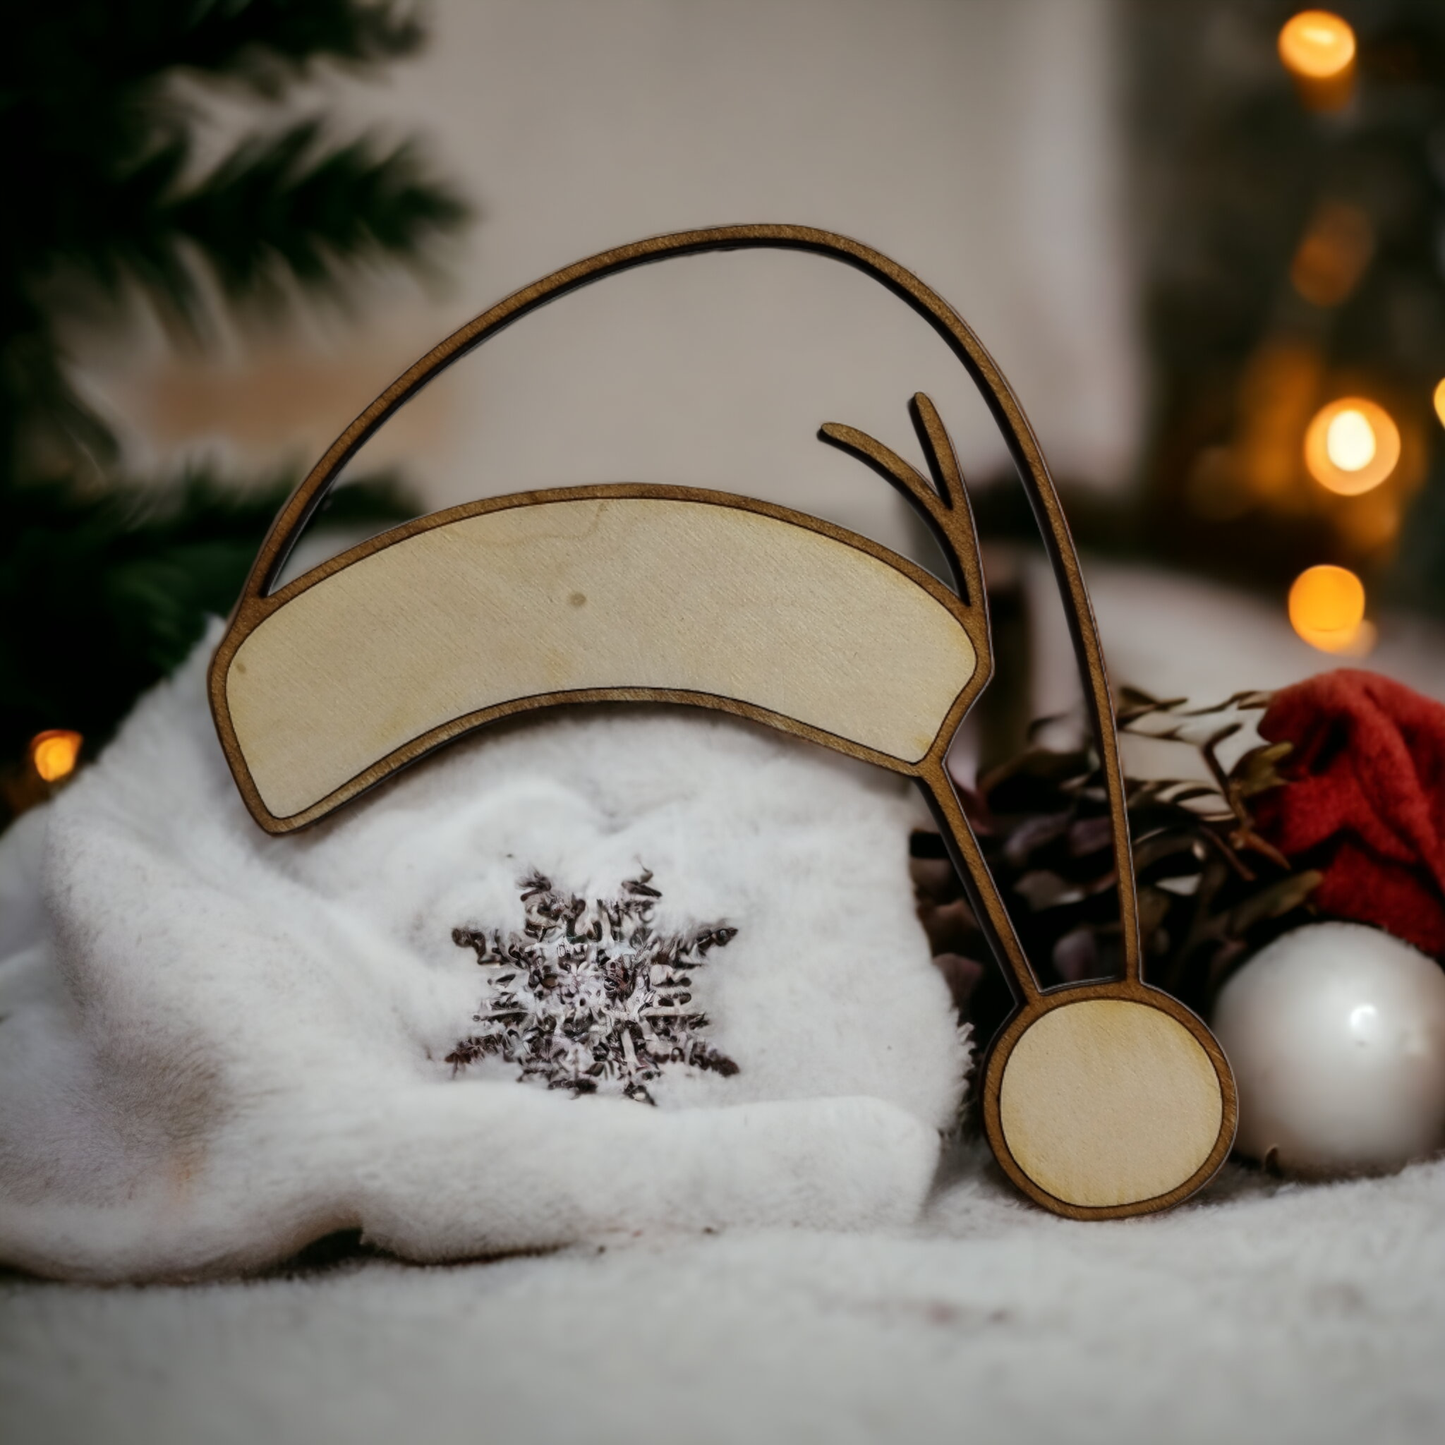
(590, 996)
(1211, 889)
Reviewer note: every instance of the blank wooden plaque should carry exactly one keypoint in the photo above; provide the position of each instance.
(1101, 1099)
(528, 599)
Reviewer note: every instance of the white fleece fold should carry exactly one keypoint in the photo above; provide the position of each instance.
(216, 1046)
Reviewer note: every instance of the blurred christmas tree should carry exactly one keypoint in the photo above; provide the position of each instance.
(1294, 186)
(105, 583)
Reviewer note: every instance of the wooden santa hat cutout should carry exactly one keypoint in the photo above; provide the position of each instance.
(1099, 1099)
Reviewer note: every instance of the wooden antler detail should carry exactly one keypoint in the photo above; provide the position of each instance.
(943, 503)
(1101, 1099)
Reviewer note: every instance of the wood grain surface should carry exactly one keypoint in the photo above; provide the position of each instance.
(652, 594)
(1100, 1099)
(1108, 1102)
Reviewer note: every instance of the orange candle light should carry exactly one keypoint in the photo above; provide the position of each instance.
(53, 754)
(1333, 254)
(1327, 609)
(1351, 446)
(1317, 47)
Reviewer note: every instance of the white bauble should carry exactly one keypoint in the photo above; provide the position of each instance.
(1336, 1034)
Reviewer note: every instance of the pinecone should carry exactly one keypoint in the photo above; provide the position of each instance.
(1211, 890)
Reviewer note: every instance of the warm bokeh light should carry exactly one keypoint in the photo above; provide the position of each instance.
(1332, 256)
(53, 753)
(1317, 45)
(1350, 440)
(1327, 609)
(1370, 523)
(1351, 446)
(1440, 400)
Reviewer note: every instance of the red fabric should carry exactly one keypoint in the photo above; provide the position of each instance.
(1366, 801)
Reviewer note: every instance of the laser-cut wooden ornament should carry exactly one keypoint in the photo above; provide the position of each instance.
(1099, 1099)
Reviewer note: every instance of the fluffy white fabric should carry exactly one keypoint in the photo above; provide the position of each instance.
(217, 1046)
(1263, 1315)
(1257, 1313)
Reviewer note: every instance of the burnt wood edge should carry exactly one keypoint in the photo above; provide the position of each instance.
(250, 616)
(1127, 990)
(1043, 497)
(957, 335)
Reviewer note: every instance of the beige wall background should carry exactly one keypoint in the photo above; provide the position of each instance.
(976, 141)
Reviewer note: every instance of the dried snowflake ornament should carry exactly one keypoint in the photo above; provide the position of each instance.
(590, 996)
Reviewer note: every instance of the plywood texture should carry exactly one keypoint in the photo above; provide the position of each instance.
(1104, 1099)
(589, 594)
(1105, 1102)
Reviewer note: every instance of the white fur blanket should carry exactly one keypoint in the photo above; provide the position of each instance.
(1296, 1315)
(219, 1046)
(1258, 1313)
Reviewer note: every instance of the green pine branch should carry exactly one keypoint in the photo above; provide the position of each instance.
(94, 140)
(106, 45)
(104, 586)
(103, 593)
(279, 207)
(286, 205)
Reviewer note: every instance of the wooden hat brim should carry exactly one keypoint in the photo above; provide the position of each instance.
(598, 593)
